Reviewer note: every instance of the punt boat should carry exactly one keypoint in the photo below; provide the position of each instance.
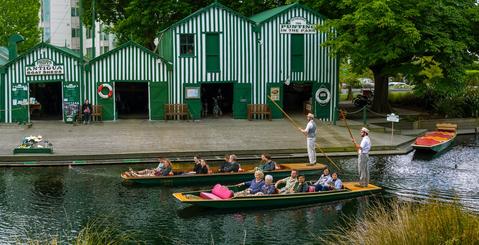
(185, 179)
(436, 141)
(277, 200)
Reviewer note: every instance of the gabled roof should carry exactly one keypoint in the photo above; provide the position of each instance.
(205, 9)
(62, 50)
(267, 15)
(125, 45)
(3, 55)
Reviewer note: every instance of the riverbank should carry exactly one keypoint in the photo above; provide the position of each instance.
(142, 141)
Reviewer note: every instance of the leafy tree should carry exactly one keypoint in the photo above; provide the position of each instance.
(387, 36)
(21, 18)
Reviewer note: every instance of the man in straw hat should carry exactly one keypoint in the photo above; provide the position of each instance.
(363, 158)
(310, 132)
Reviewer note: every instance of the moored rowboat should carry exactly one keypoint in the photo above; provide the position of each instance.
(436, 141)
(204, 179)
(278, 200)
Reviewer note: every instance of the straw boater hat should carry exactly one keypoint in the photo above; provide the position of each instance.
(365, 130)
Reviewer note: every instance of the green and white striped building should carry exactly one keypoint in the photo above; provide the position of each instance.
(274, 53)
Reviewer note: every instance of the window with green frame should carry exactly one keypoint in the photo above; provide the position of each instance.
(212, 52)
(187, 44)
(297, 52)
(75, 32)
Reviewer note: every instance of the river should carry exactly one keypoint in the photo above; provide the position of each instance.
(43, 203)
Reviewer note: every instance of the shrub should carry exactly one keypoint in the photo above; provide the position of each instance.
(431, 223)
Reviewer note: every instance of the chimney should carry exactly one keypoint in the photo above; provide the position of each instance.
(12, 45)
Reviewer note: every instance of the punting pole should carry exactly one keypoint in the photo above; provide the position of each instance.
(343, 116)
(294, 124)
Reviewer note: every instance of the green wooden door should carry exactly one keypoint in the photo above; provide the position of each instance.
(108, 105)
(194, 104)
(19, 97)
(158, 99)
(322, 100)
(275, 91)
(241, 98)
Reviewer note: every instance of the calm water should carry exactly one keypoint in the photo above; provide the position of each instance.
(37, 203)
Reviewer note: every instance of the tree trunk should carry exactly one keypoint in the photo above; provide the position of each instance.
(381, 92)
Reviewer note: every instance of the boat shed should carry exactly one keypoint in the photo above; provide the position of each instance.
(219, 53)
(212, 52)
(294, 68)
(129, 81)
(44, 83)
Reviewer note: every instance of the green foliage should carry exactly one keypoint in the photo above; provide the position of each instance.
(22, 18)
(403, 98)
(431, 223)
(472, 78)
(387, 36)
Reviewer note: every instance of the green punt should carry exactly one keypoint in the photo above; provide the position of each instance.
(433, 149)
(205, 179)
(278, 200)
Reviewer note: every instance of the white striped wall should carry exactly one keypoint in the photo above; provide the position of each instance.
(15, 72)
(127, 63)
(237, 51)
(275, 56)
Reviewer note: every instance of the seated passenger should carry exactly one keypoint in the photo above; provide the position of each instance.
(164, 168)
(254, 186)
(197, 166)
(203, 168)
(232, 165)
(289, 183)
(266, 163)
(268, 187)
(301, 186)
(334, 184)
(323, 180)
(225, 163)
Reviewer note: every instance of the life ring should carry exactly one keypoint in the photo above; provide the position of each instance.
(100, 89)
(323, 96)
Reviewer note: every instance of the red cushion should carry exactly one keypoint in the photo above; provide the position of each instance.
(222, 191)
(207, 195)
(426, 141)
(311, 188)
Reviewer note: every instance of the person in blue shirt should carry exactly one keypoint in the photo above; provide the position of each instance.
(267, 163)
(322, 182)
(233, 165)
(268, 187)
(254, 186)
(334, 184)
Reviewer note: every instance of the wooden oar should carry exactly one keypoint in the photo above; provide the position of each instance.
(343, 116)
(297, 127)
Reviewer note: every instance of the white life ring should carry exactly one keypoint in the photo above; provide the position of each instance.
(100, 90)
(323, 96)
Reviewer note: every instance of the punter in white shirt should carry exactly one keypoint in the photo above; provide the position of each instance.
(363, 158)
(310, 133)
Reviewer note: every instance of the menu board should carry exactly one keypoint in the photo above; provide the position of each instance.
(20, 102)
(71, 101)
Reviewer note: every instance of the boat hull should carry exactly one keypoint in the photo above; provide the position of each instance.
(226, 178)
(279, 200)
(435, 148)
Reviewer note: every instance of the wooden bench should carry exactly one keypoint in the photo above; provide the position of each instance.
(258, 109)
(176, 110)
(96, 115)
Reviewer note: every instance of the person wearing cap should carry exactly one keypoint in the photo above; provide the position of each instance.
(310, 132)
(363, 158)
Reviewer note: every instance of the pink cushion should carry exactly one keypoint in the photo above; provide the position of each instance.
(207, 195)
(222, 191)
(311, 188)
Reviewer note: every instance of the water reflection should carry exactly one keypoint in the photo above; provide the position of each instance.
(41, 202)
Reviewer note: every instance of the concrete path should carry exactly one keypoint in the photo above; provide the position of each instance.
(212, 135)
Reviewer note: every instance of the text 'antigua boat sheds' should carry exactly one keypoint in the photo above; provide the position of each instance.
(216, 61)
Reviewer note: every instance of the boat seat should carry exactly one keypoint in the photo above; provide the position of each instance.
(222, 192)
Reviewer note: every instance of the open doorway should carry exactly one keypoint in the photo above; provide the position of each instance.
(297, 98)
(46, 101)
(217, 99)
(131, 100)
